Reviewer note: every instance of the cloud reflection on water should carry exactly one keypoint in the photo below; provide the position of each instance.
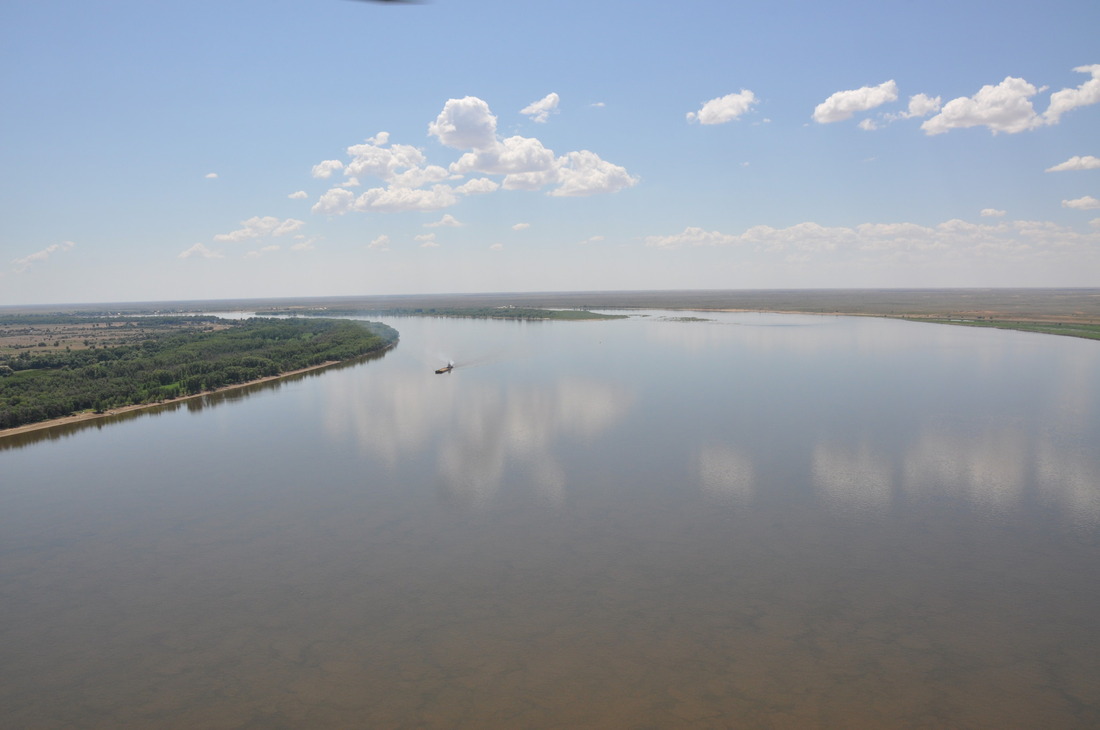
(871, 414)
(922, 412)
(856, 476)
(993, 467)
(480, 433)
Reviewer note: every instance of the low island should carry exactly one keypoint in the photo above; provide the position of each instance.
(60, 366)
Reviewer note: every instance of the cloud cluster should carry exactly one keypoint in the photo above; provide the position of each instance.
(201, 251)
(1005, 107)
(804, 240)
(724, 108)
(488, 163)
(257, 227)
(920, 105)
(22, 264)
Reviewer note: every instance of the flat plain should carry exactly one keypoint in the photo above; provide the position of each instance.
(1049, 305)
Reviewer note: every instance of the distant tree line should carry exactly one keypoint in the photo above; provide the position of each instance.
(37, 386)
(522, 313)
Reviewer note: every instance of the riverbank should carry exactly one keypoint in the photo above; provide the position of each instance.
(46, 382)
(88, 416)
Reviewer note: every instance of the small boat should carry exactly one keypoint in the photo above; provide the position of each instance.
(446, 368)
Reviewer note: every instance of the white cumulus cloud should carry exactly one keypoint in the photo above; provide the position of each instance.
(1067, 99)
(478, 186)
(299, 195)
(521, 226)
(211, 175)
(921, 105)
(844, 104)
(724, 108)
(374, 159)
(946, 241)
(1005, 107)
(584, 173)
(447, 221)
(692, 236)
(1086, 203)
(506, 157)
(335, 201)
(323, 170)
(992, 213)
(540, 110)
(381, 243)
(257, 227)
(24, 263)
(465, 124)
(389, 200)
(201, 251)
(525, 162)
(1077, 162)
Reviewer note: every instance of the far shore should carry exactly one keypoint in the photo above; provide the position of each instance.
(92, 416)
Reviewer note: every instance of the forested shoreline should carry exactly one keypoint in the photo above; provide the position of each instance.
(497, 312)
(42, 384)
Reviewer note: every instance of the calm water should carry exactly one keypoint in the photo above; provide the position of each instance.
(755, 521)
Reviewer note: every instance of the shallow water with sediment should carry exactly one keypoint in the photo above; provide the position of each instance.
(748, 521)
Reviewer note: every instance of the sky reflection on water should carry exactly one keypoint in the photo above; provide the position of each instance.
(875, 411)
(756, 520)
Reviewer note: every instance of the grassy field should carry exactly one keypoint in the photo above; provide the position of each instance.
(1067, 329)
(43, 333)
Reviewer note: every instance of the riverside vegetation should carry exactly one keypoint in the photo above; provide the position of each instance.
(497, 312)
(159, 358)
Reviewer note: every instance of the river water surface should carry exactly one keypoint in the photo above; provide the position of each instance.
(771, 521)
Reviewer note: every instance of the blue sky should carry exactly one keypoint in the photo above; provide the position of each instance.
(270, 148)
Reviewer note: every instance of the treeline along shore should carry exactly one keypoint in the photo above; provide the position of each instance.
(54, 366)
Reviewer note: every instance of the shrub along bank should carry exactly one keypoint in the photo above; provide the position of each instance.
(38, 386)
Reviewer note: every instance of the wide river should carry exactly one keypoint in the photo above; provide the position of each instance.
(755, 521)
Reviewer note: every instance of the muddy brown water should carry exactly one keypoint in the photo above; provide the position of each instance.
(772, 521)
